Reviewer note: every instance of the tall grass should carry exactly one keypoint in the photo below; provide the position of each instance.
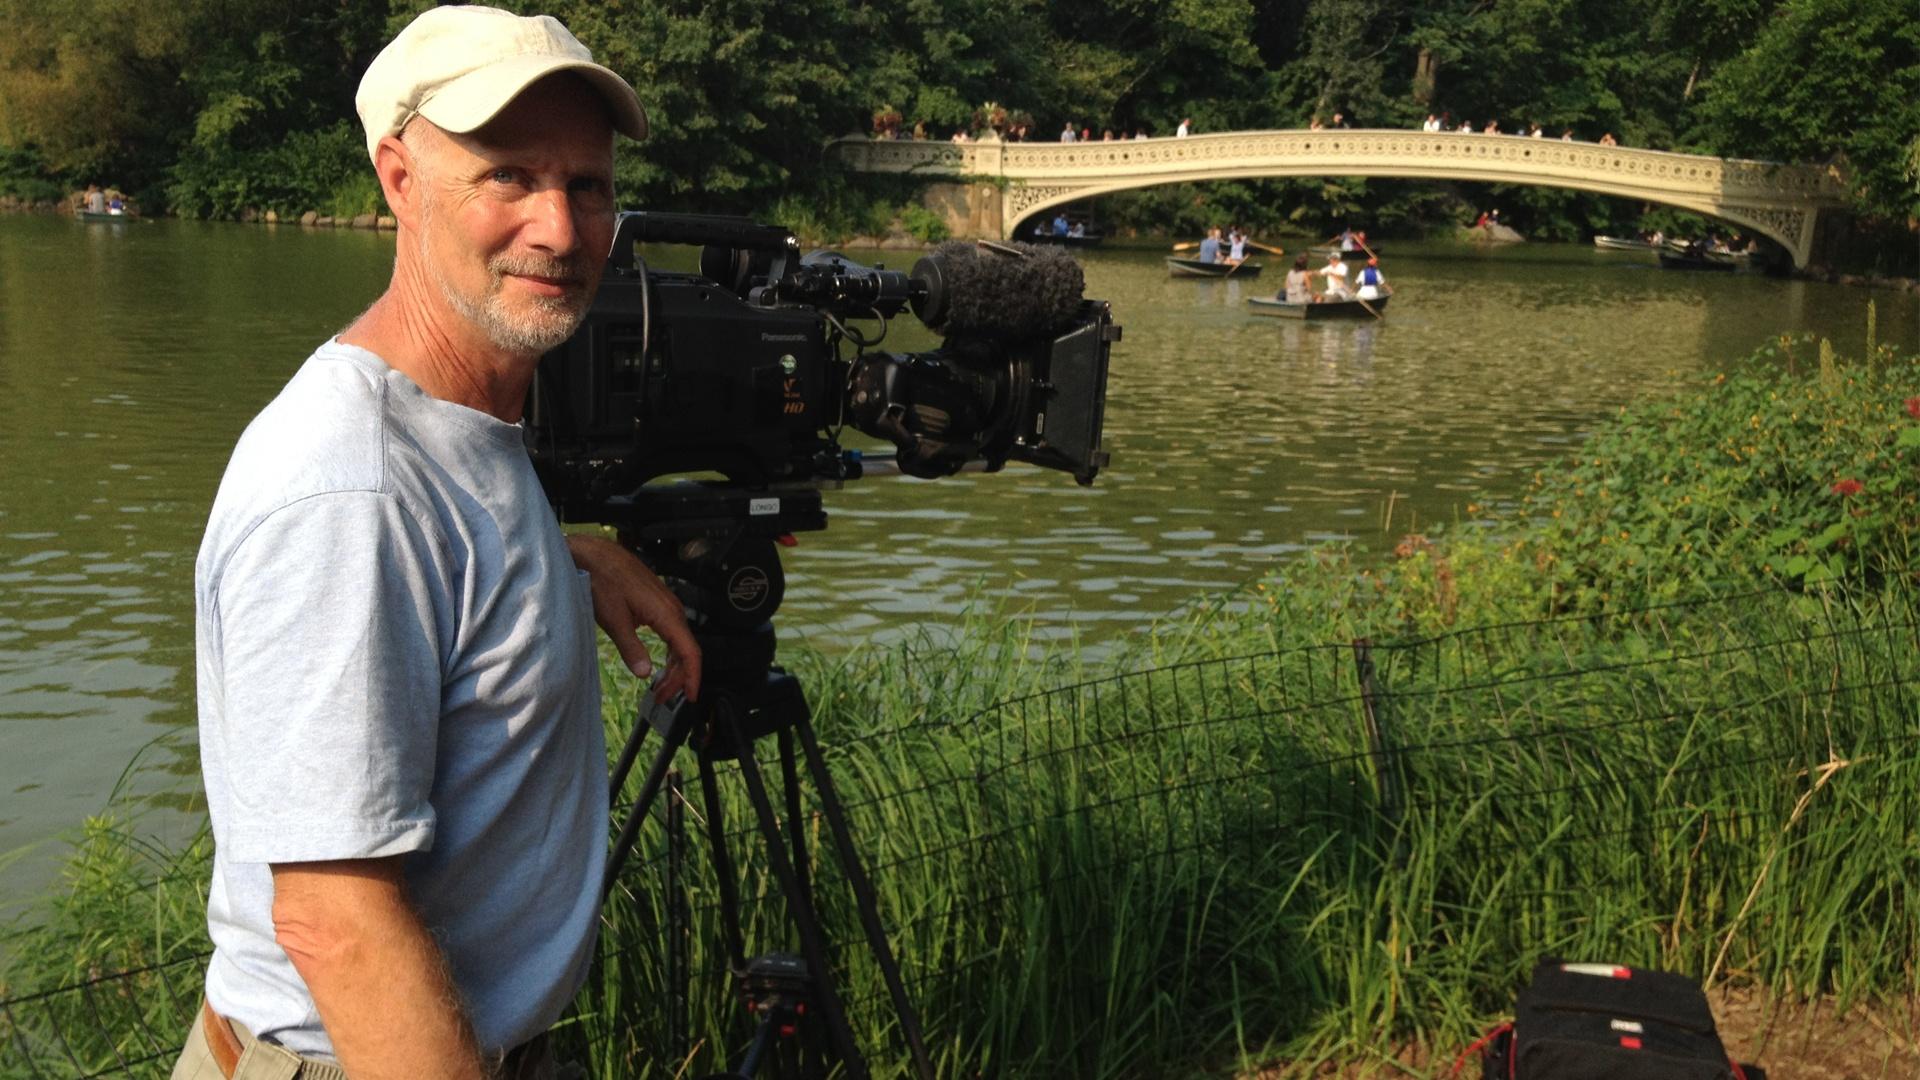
(1209, 864)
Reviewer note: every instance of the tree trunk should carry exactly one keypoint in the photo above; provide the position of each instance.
(1692, 77)
(1426, 77)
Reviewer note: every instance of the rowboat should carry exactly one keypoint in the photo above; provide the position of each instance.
(1180, 267)
(1326, 309)
(1621, 243)
(101, 216)
(1091, 239)
(1670, 260)
(1323, 251)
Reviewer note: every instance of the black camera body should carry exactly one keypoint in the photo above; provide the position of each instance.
(741, 369)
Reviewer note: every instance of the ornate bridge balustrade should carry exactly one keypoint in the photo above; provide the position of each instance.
(1010, 182)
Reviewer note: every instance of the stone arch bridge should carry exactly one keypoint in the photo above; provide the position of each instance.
(989, 187)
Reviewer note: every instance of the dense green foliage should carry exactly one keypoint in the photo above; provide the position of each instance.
(1659, 711)
(216, 106)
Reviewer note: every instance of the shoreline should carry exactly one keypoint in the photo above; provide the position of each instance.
(313, 219)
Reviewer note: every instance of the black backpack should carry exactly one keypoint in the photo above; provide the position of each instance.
(1608, 1022)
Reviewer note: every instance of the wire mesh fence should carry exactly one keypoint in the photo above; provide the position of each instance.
(1369, 837)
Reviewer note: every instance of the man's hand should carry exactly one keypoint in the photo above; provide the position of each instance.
(626, 596)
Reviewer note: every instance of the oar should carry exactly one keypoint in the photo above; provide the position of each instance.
(1187, 245)
(1266, 248)
(1369, 307)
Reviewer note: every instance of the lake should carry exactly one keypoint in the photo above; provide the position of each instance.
(132, 355)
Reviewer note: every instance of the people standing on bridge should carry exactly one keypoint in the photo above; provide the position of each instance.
(1607, 139)
(1336, 274)
(1492, 128)
(1314, 124)
(1339, 122)
(1066, 133)
(1432, 123)
(1139, 134)
(1567, 135)
(1466, 127)
(1185, 129)
(1210, 247)
(1299, 284)
(1372, 281)
(1534, 132)
(1107, 135)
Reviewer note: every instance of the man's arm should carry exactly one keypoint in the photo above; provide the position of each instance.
(375, 973)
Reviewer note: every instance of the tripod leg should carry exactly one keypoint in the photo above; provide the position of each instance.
(790, 776)
(678, 921)
(812, 937)
(863, 896)
(722, 868)
(628, 753)
(630, 829)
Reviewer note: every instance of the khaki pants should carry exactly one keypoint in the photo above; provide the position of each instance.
(258, 1061)
(265, 1061)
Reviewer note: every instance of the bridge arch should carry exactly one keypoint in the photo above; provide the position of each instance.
(1781, 202)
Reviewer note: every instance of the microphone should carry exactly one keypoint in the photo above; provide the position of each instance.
(997, 291)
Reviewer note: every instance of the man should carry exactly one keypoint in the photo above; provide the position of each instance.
(1336, 274)
(1185, 129)
(1066, 133)
(1210, 247)
(400, 722)
(1061, 226)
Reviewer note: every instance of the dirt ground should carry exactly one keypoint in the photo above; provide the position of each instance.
(1789, 1041)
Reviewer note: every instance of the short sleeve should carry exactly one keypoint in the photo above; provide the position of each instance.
(329, 625)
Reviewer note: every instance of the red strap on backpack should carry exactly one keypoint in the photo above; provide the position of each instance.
(1481, 1043)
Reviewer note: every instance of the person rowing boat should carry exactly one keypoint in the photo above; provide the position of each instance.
(1373, 284)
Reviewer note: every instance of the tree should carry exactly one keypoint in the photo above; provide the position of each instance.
(1827, 79)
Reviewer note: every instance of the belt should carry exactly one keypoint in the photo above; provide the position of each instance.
(227, 1049)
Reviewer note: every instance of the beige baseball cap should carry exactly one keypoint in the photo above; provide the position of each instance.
(459, 66)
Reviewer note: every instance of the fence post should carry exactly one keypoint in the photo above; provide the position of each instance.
(1386, 776)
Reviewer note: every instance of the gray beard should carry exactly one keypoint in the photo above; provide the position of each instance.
(529, 332)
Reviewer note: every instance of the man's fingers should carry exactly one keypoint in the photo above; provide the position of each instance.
(633, 651)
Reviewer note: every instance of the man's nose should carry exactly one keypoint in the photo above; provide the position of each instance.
(550, 225)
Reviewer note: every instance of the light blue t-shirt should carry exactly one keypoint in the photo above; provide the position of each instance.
(396, 656)
(1209, 250)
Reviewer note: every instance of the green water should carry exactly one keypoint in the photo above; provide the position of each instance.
(132, 355)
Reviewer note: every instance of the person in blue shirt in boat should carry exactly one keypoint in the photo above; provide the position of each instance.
(1060, 225)
(1210, 247)
(1373, 284)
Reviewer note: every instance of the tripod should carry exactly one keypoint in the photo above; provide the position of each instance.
(727, 571)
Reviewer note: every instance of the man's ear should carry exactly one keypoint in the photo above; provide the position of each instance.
(394, 164)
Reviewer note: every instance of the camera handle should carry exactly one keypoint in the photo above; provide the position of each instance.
(745, 697)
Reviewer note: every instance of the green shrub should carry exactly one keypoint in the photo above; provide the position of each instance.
(325, 170)
(923, 224)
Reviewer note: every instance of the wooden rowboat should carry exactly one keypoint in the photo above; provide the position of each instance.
(100, 217)
(1329, 309)
(1621, 243)
(1356, 255)
(1180, 267)
(1708, 261)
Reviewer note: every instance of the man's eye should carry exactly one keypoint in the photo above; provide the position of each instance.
(504, 176)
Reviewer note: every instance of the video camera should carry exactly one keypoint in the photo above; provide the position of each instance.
(739, 369)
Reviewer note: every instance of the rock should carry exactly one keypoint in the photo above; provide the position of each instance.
(311, 217)
(364, 221)
(386, 222)
(325, 221)
(249, 216)
(271, 217)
